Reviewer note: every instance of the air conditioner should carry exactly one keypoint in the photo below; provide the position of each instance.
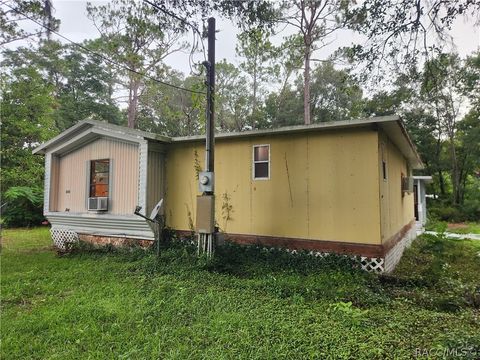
(407, 184)
(98, 203)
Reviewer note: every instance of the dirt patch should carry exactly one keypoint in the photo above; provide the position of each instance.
(457, 226)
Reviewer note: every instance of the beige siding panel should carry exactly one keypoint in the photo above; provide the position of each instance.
(155, 180)
(396, 208)
(73, 176)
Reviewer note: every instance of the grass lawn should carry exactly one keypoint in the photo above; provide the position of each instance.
(464, 228)
(245, 304)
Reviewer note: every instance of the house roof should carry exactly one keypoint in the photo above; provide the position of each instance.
(87, 130)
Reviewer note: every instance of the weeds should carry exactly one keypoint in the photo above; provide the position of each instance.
(246, 302)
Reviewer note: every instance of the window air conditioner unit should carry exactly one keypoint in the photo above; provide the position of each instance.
(98, 203)
(407, 184)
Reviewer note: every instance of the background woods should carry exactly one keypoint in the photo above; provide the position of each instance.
(121, 76)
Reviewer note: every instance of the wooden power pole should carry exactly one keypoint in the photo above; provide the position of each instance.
(210, 126)
(206, 202)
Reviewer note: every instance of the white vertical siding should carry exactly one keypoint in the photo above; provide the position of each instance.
(124, 179)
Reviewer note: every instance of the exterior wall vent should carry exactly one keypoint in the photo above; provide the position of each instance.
(98, 203)
(407, 184)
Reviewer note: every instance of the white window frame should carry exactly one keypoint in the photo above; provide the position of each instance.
(260, 161)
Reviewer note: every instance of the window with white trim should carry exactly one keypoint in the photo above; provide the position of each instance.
(261, 162)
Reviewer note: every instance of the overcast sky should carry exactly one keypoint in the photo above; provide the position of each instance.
(76, 26)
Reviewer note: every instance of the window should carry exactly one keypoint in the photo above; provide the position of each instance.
(384, 162)
(261, 162)
(99, 178)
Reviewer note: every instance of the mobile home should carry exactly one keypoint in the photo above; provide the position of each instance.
(343, 187)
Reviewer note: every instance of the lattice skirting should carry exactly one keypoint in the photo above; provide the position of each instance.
(375, 264)
(62, 238)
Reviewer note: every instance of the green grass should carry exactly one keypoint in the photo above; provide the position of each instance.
(469, 228)
(245, 304)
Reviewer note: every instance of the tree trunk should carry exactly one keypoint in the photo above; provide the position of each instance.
(455, 174)
(306, 86)
(132, 103)
(254, 102)
(441, 182)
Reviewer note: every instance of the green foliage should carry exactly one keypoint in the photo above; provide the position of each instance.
(130, 303)
(138, 37)
(22, 206)
(348, 312)
(334, 94)
(81, 84)
(232, 102)
(447, 270)
(11, 17)
(27, 107)
(227, 210)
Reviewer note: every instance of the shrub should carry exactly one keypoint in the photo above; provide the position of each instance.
(446, 213)
(23, 206)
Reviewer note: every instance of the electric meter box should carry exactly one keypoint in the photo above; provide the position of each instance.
(205, 214)
(205, 181)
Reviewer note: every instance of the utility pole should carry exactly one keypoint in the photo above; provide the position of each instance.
(206, 202)
(210, 128)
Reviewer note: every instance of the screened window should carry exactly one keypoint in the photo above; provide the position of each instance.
(261, 162)
(99, 178)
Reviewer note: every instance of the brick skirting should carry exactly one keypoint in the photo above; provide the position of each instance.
(113, 240)
(381, 257)
(326, 246)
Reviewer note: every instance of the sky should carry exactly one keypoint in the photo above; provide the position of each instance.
(76, 26)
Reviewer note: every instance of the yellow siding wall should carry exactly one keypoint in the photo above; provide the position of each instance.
(322, 186)
(72, 176)
(396, 208)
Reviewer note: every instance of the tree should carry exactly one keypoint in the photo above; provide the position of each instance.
(258, 62)
(12, 12)
(334, 94)
(468, 140)
(136, 36)
(442, 94)
(404, 32)
(170, 111)
(82, 85)
(246, 14)
(26, 112)
(231, 98)
(316, 20)
(284, 108)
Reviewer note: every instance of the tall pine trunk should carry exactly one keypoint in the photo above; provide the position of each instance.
(132, 103)
(306, 85)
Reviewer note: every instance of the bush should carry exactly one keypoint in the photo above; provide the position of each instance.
(446, 213)
(23, 206)
(471, 210)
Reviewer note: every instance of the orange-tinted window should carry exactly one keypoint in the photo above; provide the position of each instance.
(99, 178)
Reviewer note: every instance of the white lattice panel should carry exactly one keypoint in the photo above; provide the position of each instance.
(63, 238)
(372, 264)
